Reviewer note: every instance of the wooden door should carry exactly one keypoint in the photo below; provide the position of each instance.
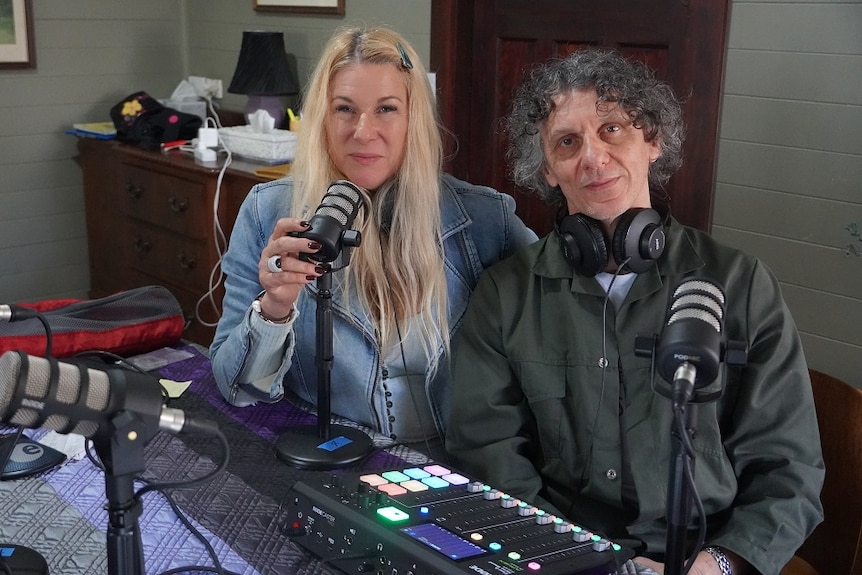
(480, 50)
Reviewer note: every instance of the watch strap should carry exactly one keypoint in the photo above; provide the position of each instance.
(721, 559)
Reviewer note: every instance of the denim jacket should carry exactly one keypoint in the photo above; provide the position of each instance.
(254, 360)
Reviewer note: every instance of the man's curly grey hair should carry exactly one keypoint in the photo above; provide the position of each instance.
(650, 103)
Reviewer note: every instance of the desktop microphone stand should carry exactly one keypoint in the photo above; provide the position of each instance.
(328, 446)
(679, 493)
(122, 454)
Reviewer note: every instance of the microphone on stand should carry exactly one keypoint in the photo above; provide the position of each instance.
(330, 226)
(688, 355)
(327, 446)
(120, 410)
(36, 392)
(689, 351)
(691, 348)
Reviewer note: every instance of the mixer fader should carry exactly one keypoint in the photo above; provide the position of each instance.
(432, 520)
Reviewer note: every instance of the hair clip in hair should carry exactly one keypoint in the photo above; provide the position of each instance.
(405, 59)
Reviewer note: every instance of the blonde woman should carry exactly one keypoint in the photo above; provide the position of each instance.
(368, 117)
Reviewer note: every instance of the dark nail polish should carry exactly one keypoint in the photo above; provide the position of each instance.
(320, 269)
(304, 224)
(311, 277)
(314, 245)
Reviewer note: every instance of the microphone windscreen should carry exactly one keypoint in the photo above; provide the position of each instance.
(341, 202)
(42, 378)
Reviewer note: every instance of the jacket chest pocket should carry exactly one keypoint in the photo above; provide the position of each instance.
(563, 404)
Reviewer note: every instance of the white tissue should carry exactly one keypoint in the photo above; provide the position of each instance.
(184, 91)
(71, 444)
(261, 122)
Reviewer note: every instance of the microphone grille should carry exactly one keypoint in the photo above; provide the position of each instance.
(10, 365)
(341, 202)
(698, 299)
(39, 382)
(700, 286)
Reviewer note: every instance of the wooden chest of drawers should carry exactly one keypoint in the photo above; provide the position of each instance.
(151, 220)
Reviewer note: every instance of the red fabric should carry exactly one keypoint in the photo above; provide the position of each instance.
(131, 339)
(49, 304)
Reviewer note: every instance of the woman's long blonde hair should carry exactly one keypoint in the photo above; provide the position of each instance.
(399, 271)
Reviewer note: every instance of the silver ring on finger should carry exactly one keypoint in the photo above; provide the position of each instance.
(273, 264)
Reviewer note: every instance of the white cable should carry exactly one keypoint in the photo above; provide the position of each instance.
(216, 275)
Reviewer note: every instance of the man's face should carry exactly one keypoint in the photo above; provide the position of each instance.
(596, 156)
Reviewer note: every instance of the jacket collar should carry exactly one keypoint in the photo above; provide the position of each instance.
(453, 214)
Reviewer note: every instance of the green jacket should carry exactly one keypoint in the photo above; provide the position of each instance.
(535, 415)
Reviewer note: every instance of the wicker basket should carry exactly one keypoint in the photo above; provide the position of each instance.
(275, 147)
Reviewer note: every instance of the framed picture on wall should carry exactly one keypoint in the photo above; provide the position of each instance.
(16, 34)
(301, 6)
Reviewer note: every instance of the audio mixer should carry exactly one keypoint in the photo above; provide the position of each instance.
(432, 520)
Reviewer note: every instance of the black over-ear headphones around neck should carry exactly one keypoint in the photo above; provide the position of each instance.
(639, 238)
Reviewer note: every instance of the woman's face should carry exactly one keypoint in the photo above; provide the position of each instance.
(366, 123)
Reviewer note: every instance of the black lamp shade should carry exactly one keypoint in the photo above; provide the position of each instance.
(262, 68)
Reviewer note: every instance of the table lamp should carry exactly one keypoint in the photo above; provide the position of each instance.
(263, 74)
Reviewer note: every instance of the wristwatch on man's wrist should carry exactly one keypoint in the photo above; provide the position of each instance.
(255, 305)
(720, 558)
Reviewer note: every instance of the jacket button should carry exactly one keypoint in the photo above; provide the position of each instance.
(611, 474)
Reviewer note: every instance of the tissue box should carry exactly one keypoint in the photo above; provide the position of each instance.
(275, 147)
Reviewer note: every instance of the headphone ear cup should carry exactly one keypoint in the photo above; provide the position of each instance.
(583, 244)
(640, 238)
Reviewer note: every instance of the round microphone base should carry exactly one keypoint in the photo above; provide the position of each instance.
(303, 447)
(22, 560)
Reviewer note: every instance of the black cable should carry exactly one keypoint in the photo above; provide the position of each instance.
(49, 336)
(151, 486)
(217, 566)
(688, 449)
(604, 357)
(123, 362)
(195, 481)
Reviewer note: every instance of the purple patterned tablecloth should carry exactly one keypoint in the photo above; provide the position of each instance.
(61, 514)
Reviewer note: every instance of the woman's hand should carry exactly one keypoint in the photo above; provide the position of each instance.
(283, 286)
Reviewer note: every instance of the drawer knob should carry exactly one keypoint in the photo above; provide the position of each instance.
(178, 206)
(135, 191)
(186, 262)
(142, 245)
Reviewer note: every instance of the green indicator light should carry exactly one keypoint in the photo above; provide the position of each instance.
(617, 547)
(596, 538)
(392, 514)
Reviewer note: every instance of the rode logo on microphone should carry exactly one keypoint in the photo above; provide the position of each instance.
(687, 357)
(32, 403)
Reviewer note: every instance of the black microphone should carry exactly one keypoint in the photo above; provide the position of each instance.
(330, 225)
(72, 398)
(690, 347)
(12, 312)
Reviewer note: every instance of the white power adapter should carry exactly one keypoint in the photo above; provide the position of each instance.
(207, 140)
(205, 154)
